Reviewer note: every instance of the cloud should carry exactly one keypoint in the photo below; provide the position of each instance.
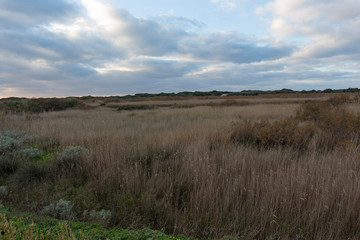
(327, 38)
(62, 48)
(226, 4)
(230, 47)
(17, 13)
(329, 26)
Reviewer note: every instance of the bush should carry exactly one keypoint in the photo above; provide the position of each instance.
(29, 153)
(325, 123)
(315, 110)
(70, 157)
(103, 216)
(11, 141)
(38, 105)
(11, 152)
(71, 102)
(3, 190)
(62, 209)
(8, 144)
(288, 133)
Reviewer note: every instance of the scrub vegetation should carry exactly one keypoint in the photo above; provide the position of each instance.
(16, 225)
(274, 166)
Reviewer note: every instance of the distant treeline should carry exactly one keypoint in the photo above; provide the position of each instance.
(38, 105)
(227, 93)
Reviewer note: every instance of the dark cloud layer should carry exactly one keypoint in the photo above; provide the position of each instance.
(15, 13)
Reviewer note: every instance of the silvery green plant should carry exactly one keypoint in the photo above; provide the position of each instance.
(102, 215)
(8, 144)
(29, 153)
(71, 156)
(62, 209)
(18, 135)
(11, 141)
(3, 190)
(13, 134)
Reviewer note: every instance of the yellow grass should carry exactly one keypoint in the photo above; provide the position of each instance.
(172, 169)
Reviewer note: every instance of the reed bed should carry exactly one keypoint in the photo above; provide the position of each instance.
(175, 169)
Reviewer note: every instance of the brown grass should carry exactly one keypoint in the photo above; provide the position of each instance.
(172, 169)
(183, 102)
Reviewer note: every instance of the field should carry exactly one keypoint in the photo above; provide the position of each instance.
(278, 166)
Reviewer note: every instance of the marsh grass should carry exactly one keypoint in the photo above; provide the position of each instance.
(322, 125)
(175, 169)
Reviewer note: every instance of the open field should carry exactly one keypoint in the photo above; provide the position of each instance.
(249, 167)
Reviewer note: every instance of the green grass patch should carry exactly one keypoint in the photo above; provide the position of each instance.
(19, 225)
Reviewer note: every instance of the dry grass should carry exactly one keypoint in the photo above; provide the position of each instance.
(187, 102)
(172, 169)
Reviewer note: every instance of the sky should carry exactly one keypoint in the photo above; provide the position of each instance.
(59, 48)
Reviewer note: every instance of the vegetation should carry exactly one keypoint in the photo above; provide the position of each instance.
(322, 125)
(17, 225)
(39, 105)
(259, 167)
(134, 107)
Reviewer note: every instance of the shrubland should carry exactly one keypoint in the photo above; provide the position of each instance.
(37, 105)
(323, 125)
(243, 168)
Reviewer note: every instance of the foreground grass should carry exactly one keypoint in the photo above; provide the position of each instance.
(19, 225)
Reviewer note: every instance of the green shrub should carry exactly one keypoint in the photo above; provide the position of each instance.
(13, 106)
(70, 157)
(103, 216)
(29, 153)
(38, 105)
(62, 209)
(12, 153)
(3, 190)
(15, 225)
(8, 144)
(71, 102)
(11, 141)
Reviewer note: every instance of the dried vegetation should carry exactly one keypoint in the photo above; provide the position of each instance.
(282, 171)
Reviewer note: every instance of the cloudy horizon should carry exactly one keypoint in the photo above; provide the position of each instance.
(116, 47)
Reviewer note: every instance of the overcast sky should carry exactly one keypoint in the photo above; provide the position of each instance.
(114, 47)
